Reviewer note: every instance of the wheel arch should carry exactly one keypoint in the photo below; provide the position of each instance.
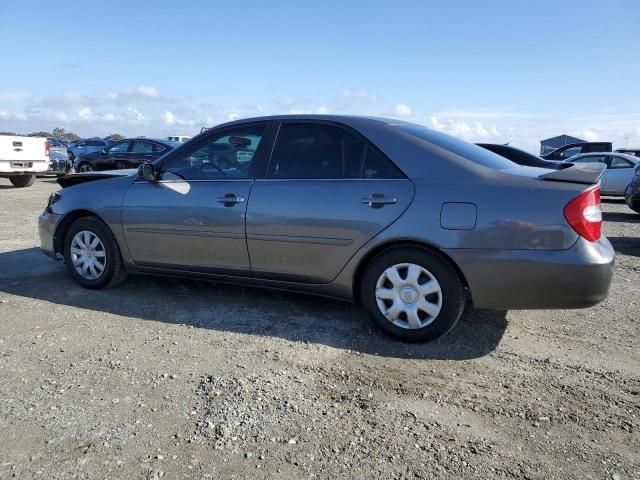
(395, 243)
(66, 222)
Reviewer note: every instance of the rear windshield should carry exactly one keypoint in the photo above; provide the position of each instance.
(465, 149)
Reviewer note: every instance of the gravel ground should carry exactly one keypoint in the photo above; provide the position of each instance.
(179, 379)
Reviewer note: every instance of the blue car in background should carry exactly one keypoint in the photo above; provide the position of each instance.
(86, 146)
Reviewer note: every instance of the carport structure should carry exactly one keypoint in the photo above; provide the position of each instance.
(552, 143)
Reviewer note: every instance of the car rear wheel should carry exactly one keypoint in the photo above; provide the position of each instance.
(412, 293)
(85, 167)
(22, 181)
(92, 254)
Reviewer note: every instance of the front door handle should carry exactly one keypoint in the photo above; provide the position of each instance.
(230, 199)
(378, 200)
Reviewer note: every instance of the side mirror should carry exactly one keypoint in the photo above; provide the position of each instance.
(147, 172)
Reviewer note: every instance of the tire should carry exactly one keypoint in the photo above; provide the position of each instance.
(445, 299)
(22, 181)
(113, 272)
(85, 167)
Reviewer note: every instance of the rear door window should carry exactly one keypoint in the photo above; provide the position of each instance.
(322, 151)
(140, 146)
(619, 162)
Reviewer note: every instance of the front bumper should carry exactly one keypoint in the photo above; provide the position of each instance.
(578, 277)
(47, 224)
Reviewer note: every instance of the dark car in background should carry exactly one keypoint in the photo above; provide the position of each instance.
(632, 192)
(567, 151)
(82, 147)
(128, 153)
(519, 156)
(59, 162)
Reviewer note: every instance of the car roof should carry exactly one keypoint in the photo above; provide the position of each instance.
(631, 158)
(346, 119)
(151, 139)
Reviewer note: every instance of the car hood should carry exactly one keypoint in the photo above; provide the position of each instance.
(77, 178)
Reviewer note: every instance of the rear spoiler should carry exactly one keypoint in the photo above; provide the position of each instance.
(588, 173)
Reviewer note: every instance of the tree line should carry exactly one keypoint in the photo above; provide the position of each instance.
(62, 134)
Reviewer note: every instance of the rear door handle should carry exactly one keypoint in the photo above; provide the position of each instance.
(230, 199)
(378, 200)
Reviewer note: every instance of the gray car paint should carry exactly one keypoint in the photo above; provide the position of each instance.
(520, 252)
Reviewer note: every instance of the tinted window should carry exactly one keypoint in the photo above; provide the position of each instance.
(460, 147)
(142, 147)
(570, 152)
(94, 143)
(228, 154)
(119, 147)
(158, 148)
(619, 162)
(325, 151)
(376, 166)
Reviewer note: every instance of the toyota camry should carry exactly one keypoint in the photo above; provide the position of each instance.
(408, 221)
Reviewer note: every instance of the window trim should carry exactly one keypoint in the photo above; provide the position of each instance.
(629, 164)
(259, 160)
(128, 150)
(367, 143)
(141, 140)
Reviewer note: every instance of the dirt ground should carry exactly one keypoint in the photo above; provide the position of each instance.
(178, 379)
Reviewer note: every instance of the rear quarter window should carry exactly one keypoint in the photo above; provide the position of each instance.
(467, 150)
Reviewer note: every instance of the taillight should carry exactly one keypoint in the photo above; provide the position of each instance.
(46, 148)
(584, 214)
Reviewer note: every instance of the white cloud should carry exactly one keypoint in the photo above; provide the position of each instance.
(363, 95)
(85, 113)
(147, 91)
(233, 116)
(168, 117)
(135, 114)
(322, 110)
(401, 110)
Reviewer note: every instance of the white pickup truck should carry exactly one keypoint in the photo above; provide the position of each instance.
(22, 158)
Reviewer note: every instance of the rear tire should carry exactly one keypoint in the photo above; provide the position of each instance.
(78, 251)
(22, 181)
(85, 167)
(419, 291)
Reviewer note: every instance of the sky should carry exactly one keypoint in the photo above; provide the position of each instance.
(491, 70)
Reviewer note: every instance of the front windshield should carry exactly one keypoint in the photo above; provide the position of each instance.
(465, 149)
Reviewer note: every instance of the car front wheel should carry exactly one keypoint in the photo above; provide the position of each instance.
(85, 167)
(413, 294)
(92, 254)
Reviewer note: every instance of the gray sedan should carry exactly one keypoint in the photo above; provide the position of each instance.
(408, 221)
(619, 169)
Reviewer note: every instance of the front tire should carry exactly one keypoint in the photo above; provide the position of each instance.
(412, 293)
(85, 167)
(21, 181)
(92, 255)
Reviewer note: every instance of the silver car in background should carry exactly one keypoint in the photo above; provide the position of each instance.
(619, 170)
(408, 221)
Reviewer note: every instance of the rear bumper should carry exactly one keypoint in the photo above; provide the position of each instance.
(47, 224)
(578, 277)
(9, 168)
